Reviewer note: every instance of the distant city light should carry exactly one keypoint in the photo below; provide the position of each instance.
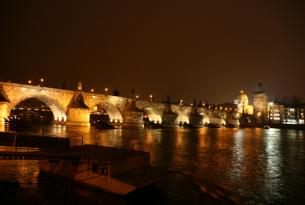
(137, 96)
(106, 89)
(41, 80)
(29, 81)
(92, 90)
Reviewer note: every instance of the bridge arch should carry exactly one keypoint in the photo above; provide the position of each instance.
(58, 111)
(182, 117)
(113, 111)
(152, 114)
(205, 118)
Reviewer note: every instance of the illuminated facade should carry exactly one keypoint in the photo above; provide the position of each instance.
(294, 114)
(260, 104)
(242, 104)
(275, 113)
(286, 114)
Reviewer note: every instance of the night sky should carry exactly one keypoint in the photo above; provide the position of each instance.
(204, 49)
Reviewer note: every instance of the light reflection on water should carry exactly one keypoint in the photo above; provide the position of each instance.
(265, 166)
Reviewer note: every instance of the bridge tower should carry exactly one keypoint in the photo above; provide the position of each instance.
(260, 104)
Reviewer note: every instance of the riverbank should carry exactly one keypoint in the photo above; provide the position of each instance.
(287, 126)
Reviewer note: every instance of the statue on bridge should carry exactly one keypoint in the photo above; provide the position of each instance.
(80, 86)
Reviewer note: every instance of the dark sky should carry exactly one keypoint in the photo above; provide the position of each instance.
(204, 49)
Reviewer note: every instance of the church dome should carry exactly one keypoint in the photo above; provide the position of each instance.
(242, 98)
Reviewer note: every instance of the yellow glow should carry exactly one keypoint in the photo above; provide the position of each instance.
(92, 90)
(29, 82)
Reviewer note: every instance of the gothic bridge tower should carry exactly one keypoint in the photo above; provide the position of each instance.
(260, 104)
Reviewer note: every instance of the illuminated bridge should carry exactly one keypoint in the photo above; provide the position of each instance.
(74, 107)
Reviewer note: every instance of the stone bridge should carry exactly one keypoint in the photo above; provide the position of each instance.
(74, 107)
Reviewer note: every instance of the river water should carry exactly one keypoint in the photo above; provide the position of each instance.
(262, 166)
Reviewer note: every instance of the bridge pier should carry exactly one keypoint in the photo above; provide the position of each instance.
(196, 120)
(169, 117)
(78, 112)
(3, 112)
(78, 116)
(132, 116)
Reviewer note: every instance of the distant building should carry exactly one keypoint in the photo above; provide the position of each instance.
(260, 104)
(275, 113)
(286, 114)
(242, 103)
(294, 114)
(263, 111)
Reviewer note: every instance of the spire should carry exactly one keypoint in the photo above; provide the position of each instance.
(259, 88)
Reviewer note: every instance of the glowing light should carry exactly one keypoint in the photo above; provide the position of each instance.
(137, 96)
(29, 82)
(95, 108)
(92, 90)
(106, 89)
(151, 97)
(41, 80)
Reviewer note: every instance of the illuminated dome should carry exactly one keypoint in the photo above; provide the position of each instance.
(241, 99)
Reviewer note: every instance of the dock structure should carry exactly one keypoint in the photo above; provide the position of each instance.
(115, 170)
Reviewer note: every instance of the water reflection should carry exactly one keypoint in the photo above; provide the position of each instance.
(265, 166)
